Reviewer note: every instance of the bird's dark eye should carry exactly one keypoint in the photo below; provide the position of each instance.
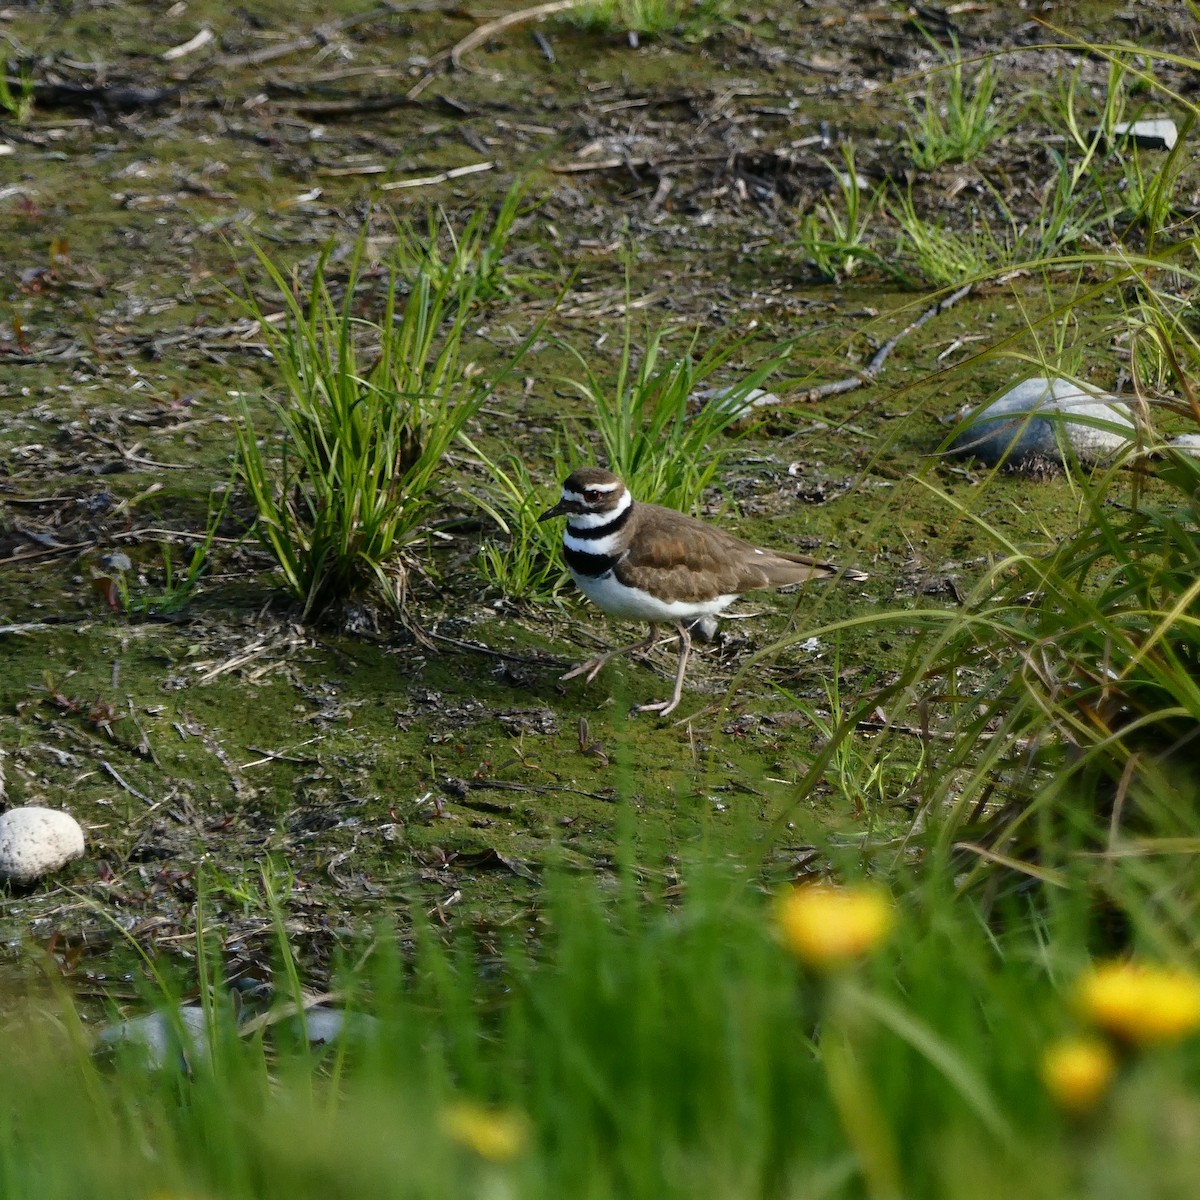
(592, 495)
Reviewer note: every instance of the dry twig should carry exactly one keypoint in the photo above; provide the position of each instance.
(477, 37)
(872, 369)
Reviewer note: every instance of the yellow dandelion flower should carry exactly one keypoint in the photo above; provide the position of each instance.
(498, 1135)
(1140, 1003)
(1077, 1072)
(826, 926)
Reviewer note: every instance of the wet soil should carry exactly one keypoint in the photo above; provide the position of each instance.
(370, 773)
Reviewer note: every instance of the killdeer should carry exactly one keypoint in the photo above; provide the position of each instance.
(644, 562)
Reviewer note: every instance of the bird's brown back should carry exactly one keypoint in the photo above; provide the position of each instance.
(686, 559)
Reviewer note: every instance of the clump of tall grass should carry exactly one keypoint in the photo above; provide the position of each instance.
(523, 561)
(943, 255)
(369, 409)
(836, 236)
(465, 261)
(657, 425)
(957, 120)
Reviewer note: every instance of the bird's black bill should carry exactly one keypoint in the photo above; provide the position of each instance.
(560, 509)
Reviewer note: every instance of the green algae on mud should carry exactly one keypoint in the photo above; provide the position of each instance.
(377, 771)
(373, 772)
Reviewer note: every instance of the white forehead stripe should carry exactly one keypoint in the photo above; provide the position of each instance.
(592, 487)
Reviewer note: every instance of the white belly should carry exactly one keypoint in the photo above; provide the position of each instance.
(636, 605)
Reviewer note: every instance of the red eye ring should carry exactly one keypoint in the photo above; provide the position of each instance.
(592, 495)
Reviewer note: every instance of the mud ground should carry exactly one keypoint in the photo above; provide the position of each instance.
(371, 772)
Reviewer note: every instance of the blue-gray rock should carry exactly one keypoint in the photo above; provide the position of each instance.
(325, 1026)
(1045, 421)
(163, 1038)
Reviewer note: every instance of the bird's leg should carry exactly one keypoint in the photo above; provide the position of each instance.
(666, 706)
(591, 668)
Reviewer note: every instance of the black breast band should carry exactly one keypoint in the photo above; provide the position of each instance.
(591, 565)
(600, 531)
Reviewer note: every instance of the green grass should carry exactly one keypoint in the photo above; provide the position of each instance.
(524, 562)
(946, 255)
(663, 424)
(18, 102)
(370, 408)
(957, 120)
(654, 18)
(1090, 128)
(180, 581)
(468, 262)
(639, 1048)
(835, 236)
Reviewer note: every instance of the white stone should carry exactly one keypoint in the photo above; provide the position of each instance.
(36, 841)
(1032, 421)
(1187, 443)
(1157, 133)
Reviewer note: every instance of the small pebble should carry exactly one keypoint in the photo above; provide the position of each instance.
(118, 560)
(704, 629)
(37, 841)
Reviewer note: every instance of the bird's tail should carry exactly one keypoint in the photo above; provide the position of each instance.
(783, 569)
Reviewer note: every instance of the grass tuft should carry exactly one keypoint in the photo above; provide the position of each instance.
(835, 237)
(959, 123)
(525, 561)
(370, 409)
(658, 426)
(467, 262)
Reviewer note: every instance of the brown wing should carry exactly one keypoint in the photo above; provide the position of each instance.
(691, 561)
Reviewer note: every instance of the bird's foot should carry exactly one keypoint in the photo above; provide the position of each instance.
(590, 669)
(662, 707)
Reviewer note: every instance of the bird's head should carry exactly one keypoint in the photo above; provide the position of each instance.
(590, 492)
